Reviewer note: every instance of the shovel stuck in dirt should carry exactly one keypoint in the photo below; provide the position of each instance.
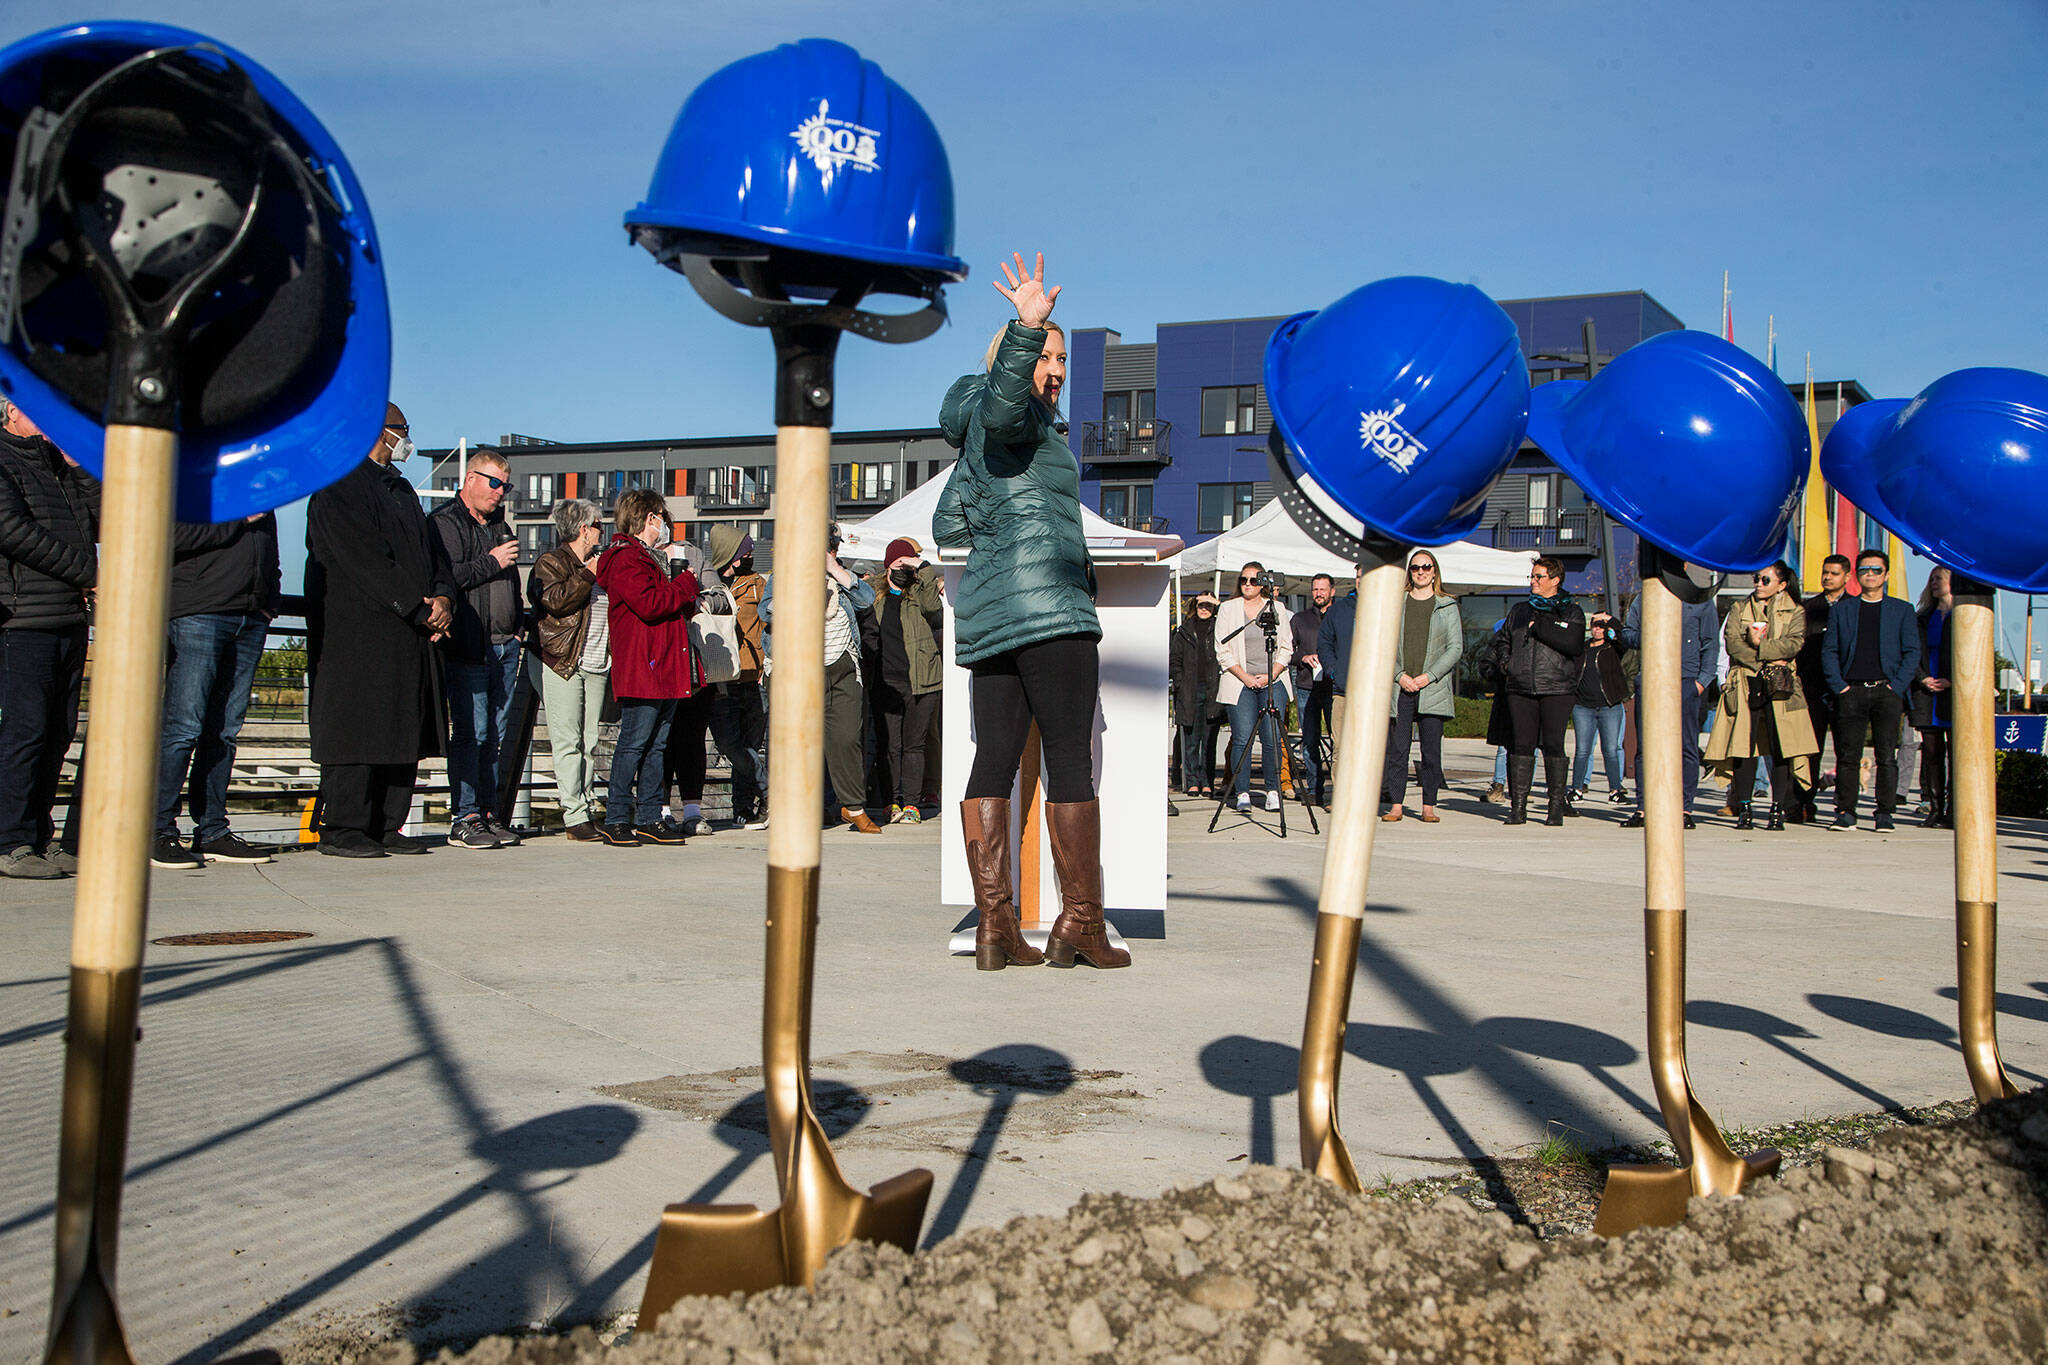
(1347, 865)
(1975, 800)
(720, 1248)
(1654, 1196)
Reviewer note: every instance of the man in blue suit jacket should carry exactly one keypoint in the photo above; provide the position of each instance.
(1870, 658)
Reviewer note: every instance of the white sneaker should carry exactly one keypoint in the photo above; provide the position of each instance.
(1244, 800)
(1272, 800)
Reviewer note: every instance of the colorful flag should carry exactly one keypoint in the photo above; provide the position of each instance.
(1727, 312)
(1813, 534)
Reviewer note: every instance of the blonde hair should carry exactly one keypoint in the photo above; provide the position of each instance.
(487, 457)
(995, 343)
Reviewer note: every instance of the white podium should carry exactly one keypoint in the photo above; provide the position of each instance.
(1133, 588)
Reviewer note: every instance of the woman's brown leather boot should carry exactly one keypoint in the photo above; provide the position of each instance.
(1076, 830)
(998, 939)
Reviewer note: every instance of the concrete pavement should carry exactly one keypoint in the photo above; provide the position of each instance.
(461, 1103)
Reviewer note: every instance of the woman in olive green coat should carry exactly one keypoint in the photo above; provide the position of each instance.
(1025, 627)
(1764, 633)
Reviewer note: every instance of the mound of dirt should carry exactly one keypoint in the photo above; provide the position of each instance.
(1931, 1244)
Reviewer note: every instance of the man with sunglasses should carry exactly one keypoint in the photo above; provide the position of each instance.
(1872, 656)
(482, 651)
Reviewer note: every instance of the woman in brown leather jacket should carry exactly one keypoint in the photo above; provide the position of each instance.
(572, 656)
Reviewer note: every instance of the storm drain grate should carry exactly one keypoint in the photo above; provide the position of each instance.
(231, 938)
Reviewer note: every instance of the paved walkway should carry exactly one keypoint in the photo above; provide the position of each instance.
(461, 1103)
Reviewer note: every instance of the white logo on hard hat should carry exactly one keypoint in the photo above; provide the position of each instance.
(831, 143)
(1389, 440)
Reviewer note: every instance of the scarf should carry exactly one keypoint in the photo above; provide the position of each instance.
(1563, 599)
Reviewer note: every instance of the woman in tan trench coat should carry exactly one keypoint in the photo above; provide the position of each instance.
(1763, 633)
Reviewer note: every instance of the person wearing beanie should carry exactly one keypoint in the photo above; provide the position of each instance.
(909, 617)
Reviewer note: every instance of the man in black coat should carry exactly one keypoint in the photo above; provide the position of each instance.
(480, 657)
(49, 512)
(1313, 687)
(379, 593)
(1835, 573)
(224, 587)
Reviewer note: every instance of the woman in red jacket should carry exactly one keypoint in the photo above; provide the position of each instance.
(652, 666)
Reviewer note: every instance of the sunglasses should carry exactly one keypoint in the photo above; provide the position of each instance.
(1873, 568)
(1422, 568)
(495, 483)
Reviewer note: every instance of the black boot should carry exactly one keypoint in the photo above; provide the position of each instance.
(1777, 820)
(1742, 817)
(1556, 776)
(1521, 776)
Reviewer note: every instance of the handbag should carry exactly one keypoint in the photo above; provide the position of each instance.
(715, 637)
(1780, 680)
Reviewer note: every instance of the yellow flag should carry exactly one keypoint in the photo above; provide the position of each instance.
(1896, 548)
(1813, 534)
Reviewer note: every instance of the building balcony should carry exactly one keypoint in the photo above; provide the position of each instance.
(1553, 532)
(731, 504)
(1123, 442)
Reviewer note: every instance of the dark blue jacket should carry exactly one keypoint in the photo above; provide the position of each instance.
(1699, 652)
(1898, 644)
(1333, 641)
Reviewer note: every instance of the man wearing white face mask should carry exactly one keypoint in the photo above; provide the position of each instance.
(379, 593)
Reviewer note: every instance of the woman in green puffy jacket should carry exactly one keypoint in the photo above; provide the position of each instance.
(1025, 626)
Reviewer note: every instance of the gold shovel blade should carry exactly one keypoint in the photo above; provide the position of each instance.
(719, 1249)
(1655, 1196)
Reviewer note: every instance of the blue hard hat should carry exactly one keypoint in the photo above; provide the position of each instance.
(1396, 408)
(1958, 473)
(287, 353)
(1689, 441)
(806, 148)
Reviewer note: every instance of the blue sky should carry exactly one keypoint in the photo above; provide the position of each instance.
(1872, 174)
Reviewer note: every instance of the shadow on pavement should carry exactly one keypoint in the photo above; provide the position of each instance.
(1774, 1031)
(1000, 1074)
(1260, 1072)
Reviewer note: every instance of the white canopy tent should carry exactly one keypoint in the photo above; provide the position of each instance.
(1271, 537)
(911, 515)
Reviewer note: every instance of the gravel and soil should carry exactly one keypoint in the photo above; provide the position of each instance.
(1929, 1243)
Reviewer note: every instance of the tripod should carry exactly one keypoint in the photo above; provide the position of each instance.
(1270, 623)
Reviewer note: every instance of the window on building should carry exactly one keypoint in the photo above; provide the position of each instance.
(1220, 506)
(1143, 405)
(1116, 407)
(1230, 411)
(1540, 502)
(1127, 504)
(535, 539)
(540, 492)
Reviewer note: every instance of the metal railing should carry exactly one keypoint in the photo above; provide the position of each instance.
(1553, 531)
(1119, 441)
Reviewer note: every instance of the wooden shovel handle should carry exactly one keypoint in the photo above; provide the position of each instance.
(127, 698)
(1369, 680)
(1974, 791)
(796, 689)
(1661, 721)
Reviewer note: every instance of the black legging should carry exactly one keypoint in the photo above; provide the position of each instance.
(1054, 682)
(1934, 766)
(1538, 722)
(685, 757)
(1763, 742)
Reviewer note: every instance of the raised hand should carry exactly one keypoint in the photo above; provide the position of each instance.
(1027, 290)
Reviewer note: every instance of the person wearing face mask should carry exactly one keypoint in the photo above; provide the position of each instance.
(1763, 708)
(379, 594)
(909, 614)
(653, 665)
(49, 512)
(572, 657)
(1025, 626)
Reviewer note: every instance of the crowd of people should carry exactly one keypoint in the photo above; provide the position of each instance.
(1773, 683)
(417, 629)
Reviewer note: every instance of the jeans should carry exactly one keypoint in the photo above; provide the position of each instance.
(1876, 709)
(1315, 702)
(573, 706)
(1198, 748)
(1603, 723)
(40, 673)
(739, 726)
(639, 762)
(211, 662)
(1243, 712)
(479, 710)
